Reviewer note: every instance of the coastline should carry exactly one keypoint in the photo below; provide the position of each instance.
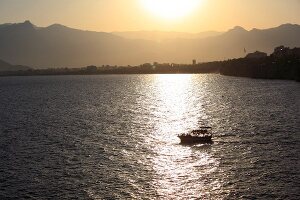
(263, 68)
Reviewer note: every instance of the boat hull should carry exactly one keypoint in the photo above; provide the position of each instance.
(188, 139)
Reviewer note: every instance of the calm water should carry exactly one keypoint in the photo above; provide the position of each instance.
(114, 137)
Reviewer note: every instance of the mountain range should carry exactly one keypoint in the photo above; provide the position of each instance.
(160, 36)
(4, 66)
(61, 46)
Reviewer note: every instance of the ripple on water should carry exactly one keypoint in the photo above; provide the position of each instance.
(115, 137)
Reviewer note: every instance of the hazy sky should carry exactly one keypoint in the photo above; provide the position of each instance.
(123, 15)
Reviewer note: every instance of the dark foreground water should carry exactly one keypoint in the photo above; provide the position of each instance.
(114, 137)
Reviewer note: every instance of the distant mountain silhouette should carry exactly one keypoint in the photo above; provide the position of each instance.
(4, 66)
(160, 36)
(60, 46)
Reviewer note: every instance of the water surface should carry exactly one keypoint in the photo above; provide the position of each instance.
(114, 137)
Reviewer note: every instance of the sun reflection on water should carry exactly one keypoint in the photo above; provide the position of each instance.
(173, 94)
(181, 170)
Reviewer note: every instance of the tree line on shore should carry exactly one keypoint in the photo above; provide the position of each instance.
(284, 63)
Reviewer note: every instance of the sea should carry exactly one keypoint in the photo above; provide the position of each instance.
(115, 137)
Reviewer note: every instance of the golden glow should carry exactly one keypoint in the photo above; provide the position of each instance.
(161, 15)
(171, 9)
(174, 96)
(178, 110)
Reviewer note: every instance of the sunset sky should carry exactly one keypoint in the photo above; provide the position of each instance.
(165, 15)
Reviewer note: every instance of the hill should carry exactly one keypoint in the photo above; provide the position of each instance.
(4, 66)
(61, 46)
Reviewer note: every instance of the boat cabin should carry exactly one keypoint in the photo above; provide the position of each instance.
(202, 135)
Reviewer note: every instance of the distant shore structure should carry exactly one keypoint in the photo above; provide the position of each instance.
(194, 62)
(256, 55)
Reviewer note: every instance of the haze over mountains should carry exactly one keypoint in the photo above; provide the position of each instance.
(4, 66)
(160, 36)
(60, 46)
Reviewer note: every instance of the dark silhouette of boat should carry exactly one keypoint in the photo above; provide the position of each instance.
(202, 136)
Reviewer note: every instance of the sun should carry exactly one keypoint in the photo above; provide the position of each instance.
(171, 9)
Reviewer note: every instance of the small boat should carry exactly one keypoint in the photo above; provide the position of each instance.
(202, 136)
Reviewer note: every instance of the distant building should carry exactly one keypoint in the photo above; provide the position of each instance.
(194, 62)
(91, 68)
(146, 65)
(256, 55)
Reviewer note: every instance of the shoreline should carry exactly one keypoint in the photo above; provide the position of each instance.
(283, 64)
(248, 68)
